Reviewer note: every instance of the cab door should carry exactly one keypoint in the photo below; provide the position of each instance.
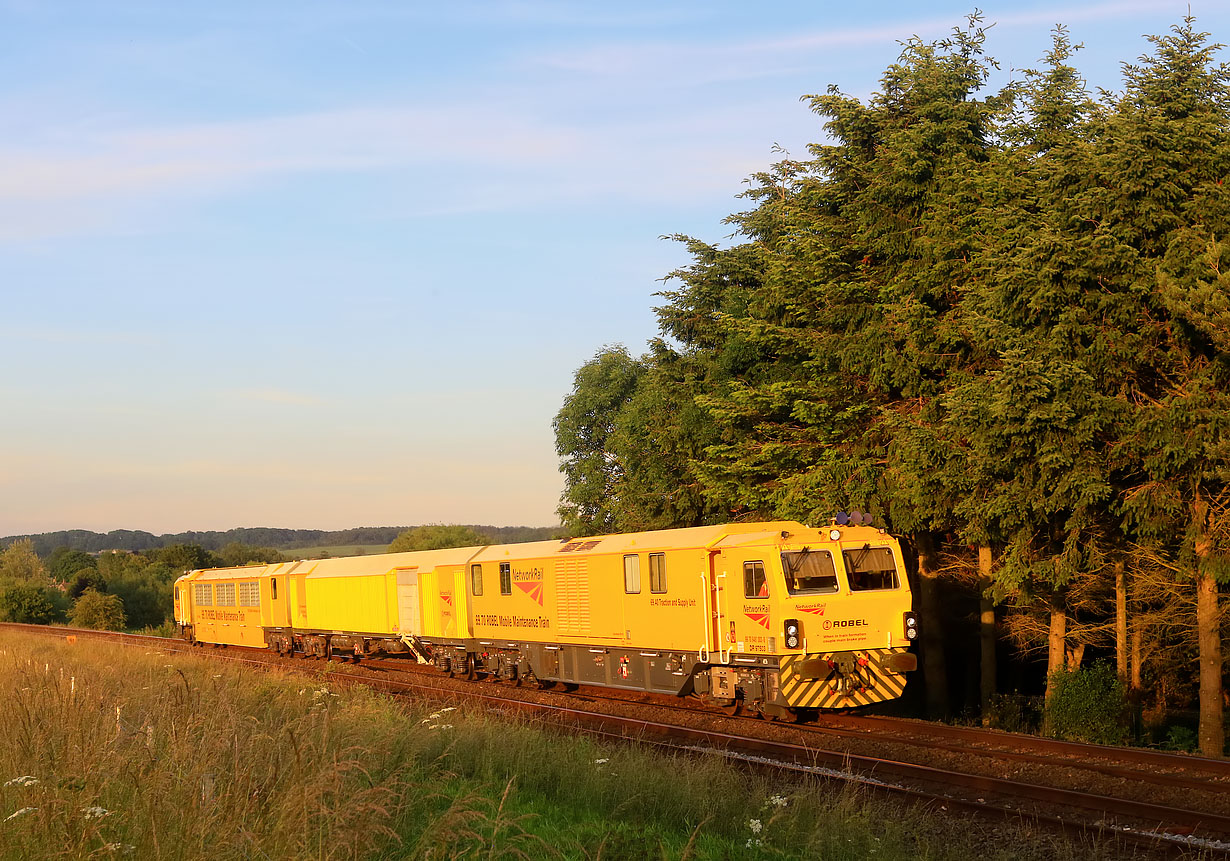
(745, 580)
(723, 598)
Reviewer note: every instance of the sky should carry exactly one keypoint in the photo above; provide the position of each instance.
(322, 265)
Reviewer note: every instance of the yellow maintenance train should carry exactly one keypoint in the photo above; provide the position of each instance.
(778, 616)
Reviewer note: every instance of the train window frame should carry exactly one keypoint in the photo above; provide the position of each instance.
(505, 578)
(870, 580)
(792, 572)
(249, 594)
(476, 580)
(754, 585)
(224, 595)
(657, 578)
(273, 583)
(203, 595)
(632, 574)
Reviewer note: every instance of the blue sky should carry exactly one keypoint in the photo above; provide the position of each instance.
(334, 264)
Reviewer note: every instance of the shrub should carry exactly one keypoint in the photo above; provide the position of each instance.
(1087, 704)
(98, 611)
(1181, 738)
(28, 604)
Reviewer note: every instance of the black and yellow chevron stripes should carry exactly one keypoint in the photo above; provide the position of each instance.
(834, 681)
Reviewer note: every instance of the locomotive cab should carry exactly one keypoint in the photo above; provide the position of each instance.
(811, 618)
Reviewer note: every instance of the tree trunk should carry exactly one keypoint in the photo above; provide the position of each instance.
(1208, 625)
(935, 670)
(987, 634)
(1136, 657)
(1056, 652)
(1056, 642)
(1212, 732)
(1121, 625)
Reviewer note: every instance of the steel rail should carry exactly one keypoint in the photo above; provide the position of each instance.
(1142, 756)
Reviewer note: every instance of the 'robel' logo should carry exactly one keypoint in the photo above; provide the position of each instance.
(844, 623)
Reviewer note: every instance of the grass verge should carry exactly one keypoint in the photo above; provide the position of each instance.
(110, 752)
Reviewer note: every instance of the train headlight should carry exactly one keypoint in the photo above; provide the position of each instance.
(911, 626)
(794, 634)
(835, 534)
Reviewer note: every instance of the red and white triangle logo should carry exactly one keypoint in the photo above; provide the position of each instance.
(533, 588)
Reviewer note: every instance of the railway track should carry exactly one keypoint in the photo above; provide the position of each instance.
(808, 750)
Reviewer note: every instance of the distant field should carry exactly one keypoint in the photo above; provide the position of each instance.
(334, 550)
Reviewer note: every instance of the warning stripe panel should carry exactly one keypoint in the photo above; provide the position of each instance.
(873, 683)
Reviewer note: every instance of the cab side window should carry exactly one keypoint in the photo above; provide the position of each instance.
(476, 579)
(657, 572)
(632, 574)
(505, 578)
(755, 584)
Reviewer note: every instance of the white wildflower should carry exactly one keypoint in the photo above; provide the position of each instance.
(95, 812)
(218, 676)
(21, 812)
(601, 761)
(778, 800)
(27, 780)
(755, 825)
(447, 710)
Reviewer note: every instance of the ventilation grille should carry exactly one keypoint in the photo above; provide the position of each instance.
(572, 596)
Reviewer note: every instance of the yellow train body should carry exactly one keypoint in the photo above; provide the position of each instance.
(779, 615)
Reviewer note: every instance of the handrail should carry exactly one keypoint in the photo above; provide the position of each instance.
(703, 652)
(717, 606)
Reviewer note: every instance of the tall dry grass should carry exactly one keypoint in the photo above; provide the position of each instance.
(114, 753)
(174, 758)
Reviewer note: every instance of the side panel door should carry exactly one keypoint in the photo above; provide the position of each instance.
(407, 602)
(298, 601)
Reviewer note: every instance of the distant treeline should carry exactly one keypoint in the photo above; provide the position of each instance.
(281, 539)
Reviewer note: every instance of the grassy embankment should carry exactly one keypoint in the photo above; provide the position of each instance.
(108, 752)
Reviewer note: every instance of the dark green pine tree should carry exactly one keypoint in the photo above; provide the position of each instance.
(1027, 427)
(864, 249)
(1163, 160)
(863, 253)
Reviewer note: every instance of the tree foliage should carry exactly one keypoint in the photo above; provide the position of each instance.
(997, 318)
(98, 611)
(19, 563)
(26, 604)
(436, 537)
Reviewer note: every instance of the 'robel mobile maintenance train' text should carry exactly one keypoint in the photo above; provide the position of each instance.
(777, 616)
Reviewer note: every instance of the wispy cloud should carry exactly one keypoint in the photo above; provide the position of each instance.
(465, 157)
